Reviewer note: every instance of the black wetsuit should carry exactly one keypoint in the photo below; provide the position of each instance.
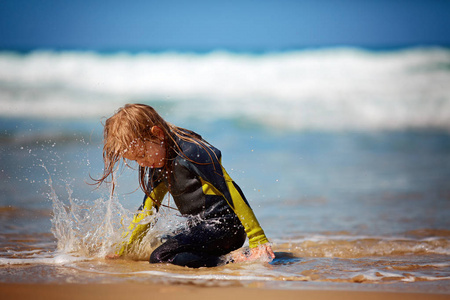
(201, 189)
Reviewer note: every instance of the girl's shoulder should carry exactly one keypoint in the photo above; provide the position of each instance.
(197, 151)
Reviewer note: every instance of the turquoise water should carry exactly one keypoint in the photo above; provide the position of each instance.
(346, 171)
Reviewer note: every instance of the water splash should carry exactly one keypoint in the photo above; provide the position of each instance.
(78, 228)
(94, 229)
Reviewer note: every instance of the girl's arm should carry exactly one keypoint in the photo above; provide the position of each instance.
(138, 227)
(214, 183)
(255, 233)
(258, 242)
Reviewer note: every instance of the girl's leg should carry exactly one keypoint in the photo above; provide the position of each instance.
(201, 245)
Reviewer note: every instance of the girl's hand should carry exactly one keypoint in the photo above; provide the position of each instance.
(112, 256)
(263, 251)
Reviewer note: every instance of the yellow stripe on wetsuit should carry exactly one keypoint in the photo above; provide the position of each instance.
(245, 214)
(136, 231)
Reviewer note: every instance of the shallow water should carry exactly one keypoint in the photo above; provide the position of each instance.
(352, 194)
(369, 224)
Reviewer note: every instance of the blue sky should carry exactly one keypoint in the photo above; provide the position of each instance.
(208, 24)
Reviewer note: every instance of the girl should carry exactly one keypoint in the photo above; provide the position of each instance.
(176, 160)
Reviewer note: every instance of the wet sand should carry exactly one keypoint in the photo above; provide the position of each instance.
(144, 291)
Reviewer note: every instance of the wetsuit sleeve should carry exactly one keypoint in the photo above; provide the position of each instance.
(216, 182)
(244, 212)
(139, 226)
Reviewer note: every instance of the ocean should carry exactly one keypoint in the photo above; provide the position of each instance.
(343, 154)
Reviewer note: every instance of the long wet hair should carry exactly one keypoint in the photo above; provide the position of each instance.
(132, 123)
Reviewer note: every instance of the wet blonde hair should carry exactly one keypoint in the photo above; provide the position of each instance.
(133, 123)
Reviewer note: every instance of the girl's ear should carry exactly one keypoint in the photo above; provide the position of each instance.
(158, 132)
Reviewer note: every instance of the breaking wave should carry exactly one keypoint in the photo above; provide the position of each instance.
(342, 88)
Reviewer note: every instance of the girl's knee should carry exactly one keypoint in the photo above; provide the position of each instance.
(165, 252)
(155, 258)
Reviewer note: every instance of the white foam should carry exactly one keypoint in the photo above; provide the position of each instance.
(207, 276)
(434, 278)
(328, 88)
(49, 259)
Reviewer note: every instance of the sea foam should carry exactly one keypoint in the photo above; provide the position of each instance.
(339, 88)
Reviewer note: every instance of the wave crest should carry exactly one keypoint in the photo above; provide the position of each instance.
(312, 89)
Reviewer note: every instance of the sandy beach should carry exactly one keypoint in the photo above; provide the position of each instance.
(348, 176)
(142, 291)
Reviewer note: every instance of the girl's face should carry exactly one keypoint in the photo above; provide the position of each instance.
(147, 154)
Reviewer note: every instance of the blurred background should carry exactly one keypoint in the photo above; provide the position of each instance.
(333, 116)
(334, 113)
